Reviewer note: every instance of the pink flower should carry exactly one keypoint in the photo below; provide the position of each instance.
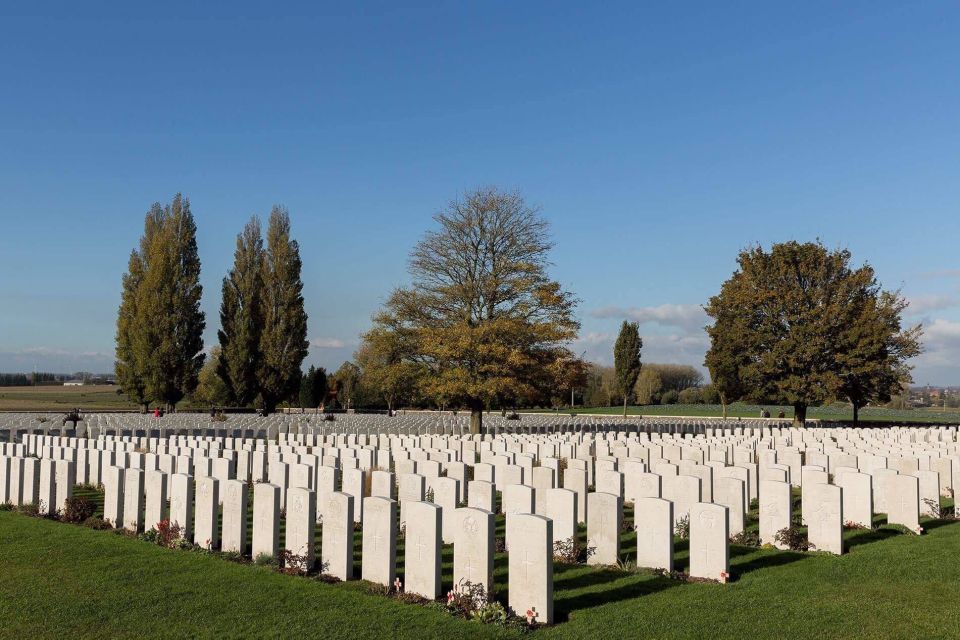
(531, 615)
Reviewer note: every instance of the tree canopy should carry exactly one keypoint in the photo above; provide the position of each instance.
(481, 313)
(799, 325)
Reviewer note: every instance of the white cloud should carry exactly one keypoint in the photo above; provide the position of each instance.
(941, 344)
(677, 347)
(327, 343)
(684, 316)
(925, 303)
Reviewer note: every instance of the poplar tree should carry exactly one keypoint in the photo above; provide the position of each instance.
(626, 359)
(160, 324)
(283, 337)
(241, 317)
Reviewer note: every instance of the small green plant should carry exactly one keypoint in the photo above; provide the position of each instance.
(682, 527)
(265, 560)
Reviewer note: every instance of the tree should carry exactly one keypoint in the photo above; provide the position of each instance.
(481, 314)
(130, 366)
(283, 337)
(796, 324)
(313, 387)
(241, 317)
(346, 379)
(211, 388)
(570, 374)
(874, 362)
(676, 377)
(160, 324)
(626, 359)
(648, 386)
(388, 370)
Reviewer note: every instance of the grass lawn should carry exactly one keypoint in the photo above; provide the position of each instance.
(740, 410)
(59, 580)
(57, 398)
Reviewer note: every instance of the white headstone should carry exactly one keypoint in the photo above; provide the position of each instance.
(531, 566)
(379, 558)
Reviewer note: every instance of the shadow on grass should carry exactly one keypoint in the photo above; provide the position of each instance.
(930, 525)
(563, 607)
(764, 561)
(868, 536)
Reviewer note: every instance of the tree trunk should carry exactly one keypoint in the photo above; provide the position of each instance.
(856, 414)
(476, 417)
(799, 414)
(624, 406)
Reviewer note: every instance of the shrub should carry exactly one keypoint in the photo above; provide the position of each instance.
(571, 551)
(77, 510)
(939, 512)
(293, 564)
(670, 397)
(746, 539)
(475, 602)
(99, 524)
(682, 527)
(7, 506)
(167, 535)
(794, 539)
(31, 509)
(265, 560)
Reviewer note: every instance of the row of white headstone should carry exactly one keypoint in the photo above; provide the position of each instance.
(666, 478)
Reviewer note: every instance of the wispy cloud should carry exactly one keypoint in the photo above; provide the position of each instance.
(926, 303)
(941, 273)
(327, 343)
(684, 316)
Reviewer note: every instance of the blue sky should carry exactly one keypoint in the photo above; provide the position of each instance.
(658, 141)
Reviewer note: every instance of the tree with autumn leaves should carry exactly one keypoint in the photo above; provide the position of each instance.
(481, 317)
(800, 325)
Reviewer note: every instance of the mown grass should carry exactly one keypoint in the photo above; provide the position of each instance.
(741, 410)
(59, 580)
(56, 398)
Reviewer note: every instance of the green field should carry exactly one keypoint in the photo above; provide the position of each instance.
(60, 580)
(62, 399)
(740, 410)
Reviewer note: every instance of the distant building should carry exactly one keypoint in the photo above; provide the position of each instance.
(73, 383)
